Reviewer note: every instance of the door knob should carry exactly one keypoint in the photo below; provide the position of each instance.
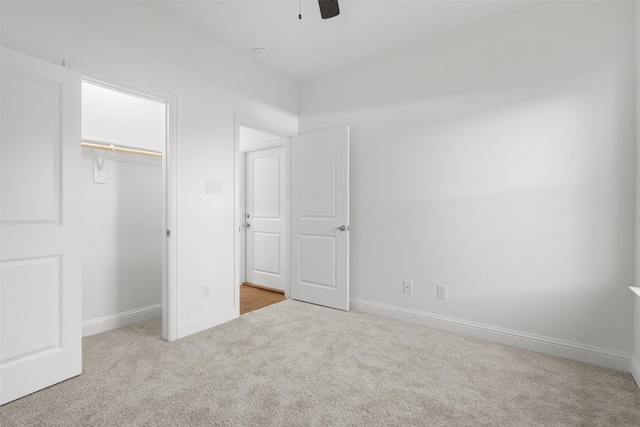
(341, 228)
(247, 225)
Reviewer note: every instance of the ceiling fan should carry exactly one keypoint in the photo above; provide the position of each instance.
(328, 9)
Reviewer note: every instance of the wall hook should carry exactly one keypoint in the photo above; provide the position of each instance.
(99, 169)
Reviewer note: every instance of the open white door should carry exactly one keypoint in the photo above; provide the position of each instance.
(320, 218)
(40, 254)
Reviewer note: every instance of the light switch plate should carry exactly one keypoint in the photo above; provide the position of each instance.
(214, 187)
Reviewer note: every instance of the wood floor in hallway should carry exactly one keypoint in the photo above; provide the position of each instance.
(252, 298)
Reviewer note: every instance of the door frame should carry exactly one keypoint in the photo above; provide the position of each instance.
(169, 191)
(240, 190)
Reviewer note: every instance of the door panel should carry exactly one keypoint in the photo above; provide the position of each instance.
(40, 144)
(30, 290)
(266, 186)
(40, 319)
(318, 191)
(320, 218)
(318, 260)
(266, 253)
(266, 207)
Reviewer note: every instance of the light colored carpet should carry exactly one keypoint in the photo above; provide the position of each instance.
(296, 364)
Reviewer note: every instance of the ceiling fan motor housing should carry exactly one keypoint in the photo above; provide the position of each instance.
(329, 8)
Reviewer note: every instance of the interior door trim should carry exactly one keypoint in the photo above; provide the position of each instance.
(169, 192)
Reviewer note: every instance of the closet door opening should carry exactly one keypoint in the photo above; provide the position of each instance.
(124, 207)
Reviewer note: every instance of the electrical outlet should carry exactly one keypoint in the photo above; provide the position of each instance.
(442, 291)
(206, 291)
(407, 286)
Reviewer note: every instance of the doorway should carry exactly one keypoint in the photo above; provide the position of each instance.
(42, 223)
(127, 193)
(254, 298)
(316, 263)
(262, 192)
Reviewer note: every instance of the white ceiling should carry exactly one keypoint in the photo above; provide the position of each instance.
(309, 48)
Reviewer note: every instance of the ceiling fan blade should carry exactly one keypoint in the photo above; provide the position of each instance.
(329, 8)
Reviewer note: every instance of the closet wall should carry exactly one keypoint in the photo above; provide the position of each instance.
(121, 238)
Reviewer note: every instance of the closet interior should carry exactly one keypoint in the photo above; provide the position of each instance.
(123, 141)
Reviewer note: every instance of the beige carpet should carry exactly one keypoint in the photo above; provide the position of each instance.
(296, 364)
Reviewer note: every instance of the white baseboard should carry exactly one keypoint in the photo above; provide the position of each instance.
(635, 370)
(114, 321)
(567, 349)
(207, 323)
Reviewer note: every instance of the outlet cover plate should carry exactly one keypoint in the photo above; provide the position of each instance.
(407, 286)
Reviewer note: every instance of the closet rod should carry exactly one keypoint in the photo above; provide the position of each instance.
(112, 147)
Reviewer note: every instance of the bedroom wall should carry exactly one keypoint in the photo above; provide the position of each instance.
(131, 43)
(497, 160)
(635, 363)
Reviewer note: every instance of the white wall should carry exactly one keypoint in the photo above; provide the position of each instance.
(112, 116)
(134, 44)
(249, 138)
(497, 160)
(635, 363)
(121, 242)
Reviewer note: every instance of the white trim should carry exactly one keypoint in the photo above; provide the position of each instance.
(287, 246)
(263, 126)
(170, 222)
(201, 325)
(113, 84)
(635, 360)
(555, 347)
(169, 192)
(264, 145)
(635, 370)
(114, 321)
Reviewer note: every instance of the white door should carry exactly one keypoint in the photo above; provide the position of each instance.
(320, 218)
(40, 254)
(265, 217)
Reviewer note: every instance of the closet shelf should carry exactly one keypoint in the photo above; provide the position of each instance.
(111, 147)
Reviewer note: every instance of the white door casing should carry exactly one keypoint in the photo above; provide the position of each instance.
(320, 218)
(265, 224)
(40, 253)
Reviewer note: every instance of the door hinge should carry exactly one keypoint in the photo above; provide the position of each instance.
(168, 233)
